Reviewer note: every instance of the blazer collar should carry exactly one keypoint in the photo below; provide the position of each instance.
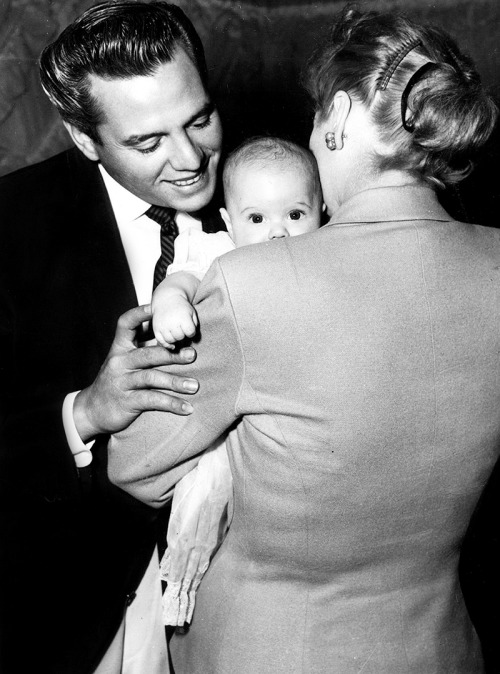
(391, 204)
(107, 279)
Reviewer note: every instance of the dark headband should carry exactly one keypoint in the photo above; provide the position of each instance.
(417, 76)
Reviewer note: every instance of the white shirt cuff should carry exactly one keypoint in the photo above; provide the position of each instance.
(80, 450)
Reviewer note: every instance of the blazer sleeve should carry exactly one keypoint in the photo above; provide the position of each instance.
(145, 458)
(36, 464)
(64, 281)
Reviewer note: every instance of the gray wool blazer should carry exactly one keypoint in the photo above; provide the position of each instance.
(360, 365)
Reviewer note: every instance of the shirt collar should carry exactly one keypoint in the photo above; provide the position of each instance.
(391, 204)
(126, 206)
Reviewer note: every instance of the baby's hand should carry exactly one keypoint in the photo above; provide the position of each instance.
(174, 321)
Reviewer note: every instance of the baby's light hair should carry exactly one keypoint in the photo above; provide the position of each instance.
(270, 152)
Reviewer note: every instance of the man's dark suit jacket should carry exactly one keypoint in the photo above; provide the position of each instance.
(72, 548)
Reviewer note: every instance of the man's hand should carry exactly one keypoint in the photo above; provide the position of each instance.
(128, 383)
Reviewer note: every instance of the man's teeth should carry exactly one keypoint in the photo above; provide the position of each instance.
(189, 181)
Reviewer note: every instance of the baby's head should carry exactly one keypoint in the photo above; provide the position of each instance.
(271, 190)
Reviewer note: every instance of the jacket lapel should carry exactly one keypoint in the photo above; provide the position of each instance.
(107, 282)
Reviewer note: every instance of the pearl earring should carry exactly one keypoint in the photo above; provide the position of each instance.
(330, 141)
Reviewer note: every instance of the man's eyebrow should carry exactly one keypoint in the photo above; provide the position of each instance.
(205, 111)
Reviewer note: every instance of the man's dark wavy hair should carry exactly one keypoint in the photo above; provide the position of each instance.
(113, 40)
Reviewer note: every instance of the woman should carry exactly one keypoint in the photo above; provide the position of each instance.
(360, 363)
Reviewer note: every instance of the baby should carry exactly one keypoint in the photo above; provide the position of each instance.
(271, 190)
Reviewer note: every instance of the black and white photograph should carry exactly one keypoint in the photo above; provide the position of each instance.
(249, 337)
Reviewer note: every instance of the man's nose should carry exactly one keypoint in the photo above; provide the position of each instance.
(185, 154)
(278, 231)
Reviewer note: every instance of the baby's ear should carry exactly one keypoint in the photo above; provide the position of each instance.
(227, 221)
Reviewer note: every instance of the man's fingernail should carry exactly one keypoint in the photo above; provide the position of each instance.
(188, 352)
(190, 385)
(186, 408)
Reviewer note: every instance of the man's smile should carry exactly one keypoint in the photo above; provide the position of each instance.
(187, 182)
(193, 179)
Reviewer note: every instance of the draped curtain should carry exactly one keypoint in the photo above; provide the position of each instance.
(255, 50)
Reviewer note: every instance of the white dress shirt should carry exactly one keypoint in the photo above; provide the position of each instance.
(141, 240)
(139, 645)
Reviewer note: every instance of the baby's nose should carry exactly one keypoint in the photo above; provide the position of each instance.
(278, 231)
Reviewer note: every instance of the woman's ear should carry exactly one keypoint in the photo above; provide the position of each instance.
(82, 142)
(227, 221)
(340, 110)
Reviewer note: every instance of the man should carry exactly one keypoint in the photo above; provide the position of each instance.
(77, 250)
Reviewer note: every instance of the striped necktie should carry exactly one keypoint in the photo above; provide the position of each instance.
(165, 218)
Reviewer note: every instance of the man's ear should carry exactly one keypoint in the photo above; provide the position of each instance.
(227, 221)
(82, 142)
(339, 113)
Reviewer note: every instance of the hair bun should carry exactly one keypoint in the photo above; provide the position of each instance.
(451, 119)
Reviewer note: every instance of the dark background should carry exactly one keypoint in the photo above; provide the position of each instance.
(255, 52)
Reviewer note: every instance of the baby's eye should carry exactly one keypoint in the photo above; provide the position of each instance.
(256, 218)
(295, 215)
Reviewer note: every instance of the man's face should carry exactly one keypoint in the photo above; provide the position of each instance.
(160, 134)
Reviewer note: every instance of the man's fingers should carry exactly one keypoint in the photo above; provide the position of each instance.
(157, 379)
(128, 323)
(156, 356)
(162, 402)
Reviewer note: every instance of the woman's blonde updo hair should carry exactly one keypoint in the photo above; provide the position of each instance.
(424, 95)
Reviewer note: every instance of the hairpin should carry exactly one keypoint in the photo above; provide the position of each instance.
(396, 60)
